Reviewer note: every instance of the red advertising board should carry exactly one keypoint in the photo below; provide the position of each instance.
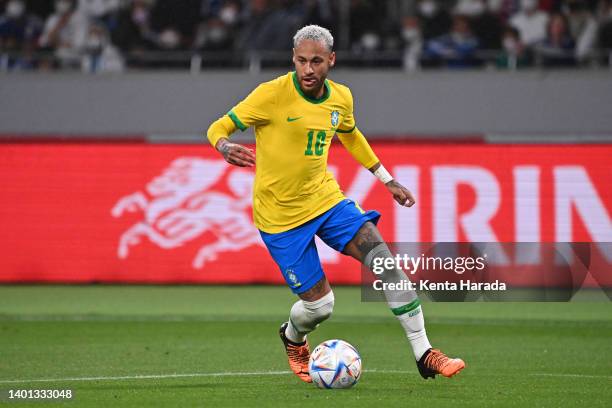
(178, 213)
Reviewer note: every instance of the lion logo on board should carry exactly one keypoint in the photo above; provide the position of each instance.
(179, 206)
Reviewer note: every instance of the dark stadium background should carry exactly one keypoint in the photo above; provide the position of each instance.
(112, 278)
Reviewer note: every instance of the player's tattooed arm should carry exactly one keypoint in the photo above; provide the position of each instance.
(235, 153)
(400, 193)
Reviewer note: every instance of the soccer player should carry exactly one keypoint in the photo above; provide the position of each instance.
(295, 198)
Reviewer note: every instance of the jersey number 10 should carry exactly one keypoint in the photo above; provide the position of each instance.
(319, 147)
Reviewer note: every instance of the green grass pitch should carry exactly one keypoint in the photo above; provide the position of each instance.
(218, 346)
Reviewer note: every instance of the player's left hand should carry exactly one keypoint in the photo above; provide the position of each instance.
(400, 193)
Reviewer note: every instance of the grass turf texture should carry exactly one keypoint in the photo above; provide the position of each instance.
(518, 354)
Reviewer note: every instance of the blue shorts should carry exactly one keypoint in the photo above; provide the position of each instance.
(295, 252)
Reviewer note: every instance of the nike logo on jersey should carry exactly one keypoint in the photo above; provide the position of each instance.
(289, 119)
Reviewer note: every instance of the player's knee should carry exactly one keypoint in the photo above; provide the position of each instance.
(321, 309)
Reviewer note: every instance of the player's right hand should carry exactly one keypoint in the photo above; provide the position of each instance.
(236, 154)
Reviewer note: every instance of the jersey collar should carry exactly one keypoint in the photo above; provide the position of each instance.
(308, 98)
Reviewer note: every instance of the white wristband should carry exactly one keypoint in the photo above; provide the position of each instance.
(383, 175)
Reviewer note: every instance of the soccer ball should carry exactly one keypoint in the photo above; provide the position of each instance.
(335, 364)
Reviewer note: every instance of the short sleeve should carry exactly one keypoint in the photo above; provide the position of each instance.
(348, 122)
(256, 109)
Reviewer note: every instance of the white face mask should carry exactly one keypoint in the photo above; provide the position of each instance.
(63, 7)
(140, 15)
(15, 9)
(470, 8)
(410, 34)
(529, 5)
(510, 45)
(169, 38)
(428, 8)
(228, 15)
(458, 37)
(95, 41)
(370, 41)
(217, 34)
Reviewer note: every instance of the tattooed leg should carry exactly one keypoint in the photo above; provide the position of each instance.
(368, 245)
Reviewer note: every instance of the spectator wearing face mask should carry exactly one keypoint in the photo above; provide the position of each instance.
(216, 33)
(530, 22)
(456, 49)
(485, 25)
(514, 53)
(174, 22)
(18, 33)
(99, 54)
(133, 32)
(435, 21)
(65, 34)
(413, 42)
(367, 23)
(101, 11)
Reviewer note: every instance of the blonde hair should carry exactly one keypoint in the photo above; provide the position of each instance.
(315, 33)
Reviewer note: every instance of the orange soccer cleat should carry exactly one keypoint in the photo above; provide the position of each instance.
(436, 362)
(298, 355)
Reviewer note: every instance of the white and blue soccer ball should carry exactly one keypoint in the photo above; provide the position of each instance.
(335, 364)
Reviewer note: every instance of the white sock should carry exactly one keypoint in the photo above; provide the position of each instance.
(292, 334)
(414, 325)
(306, 316)
(404, 304)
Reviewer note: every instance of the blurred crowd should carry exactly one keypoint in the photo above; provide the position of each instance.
(107, 35)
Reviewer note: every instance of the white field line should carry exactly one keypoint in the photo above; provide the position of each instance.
(148, 377)
(570, 375)
(163, 376)
(241, 374)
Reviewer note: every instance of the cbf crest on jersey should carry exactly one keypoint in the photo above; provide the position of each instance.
(335, 116)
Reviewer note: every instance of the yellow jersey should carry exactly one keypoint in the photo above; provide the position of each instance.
(293, 133)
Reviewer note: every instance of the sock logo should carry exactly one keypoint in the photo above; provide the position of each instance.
(414, 312)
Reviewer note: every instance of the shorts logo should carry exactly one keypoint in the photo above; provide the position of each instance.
(293, 278)
(335, 116)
